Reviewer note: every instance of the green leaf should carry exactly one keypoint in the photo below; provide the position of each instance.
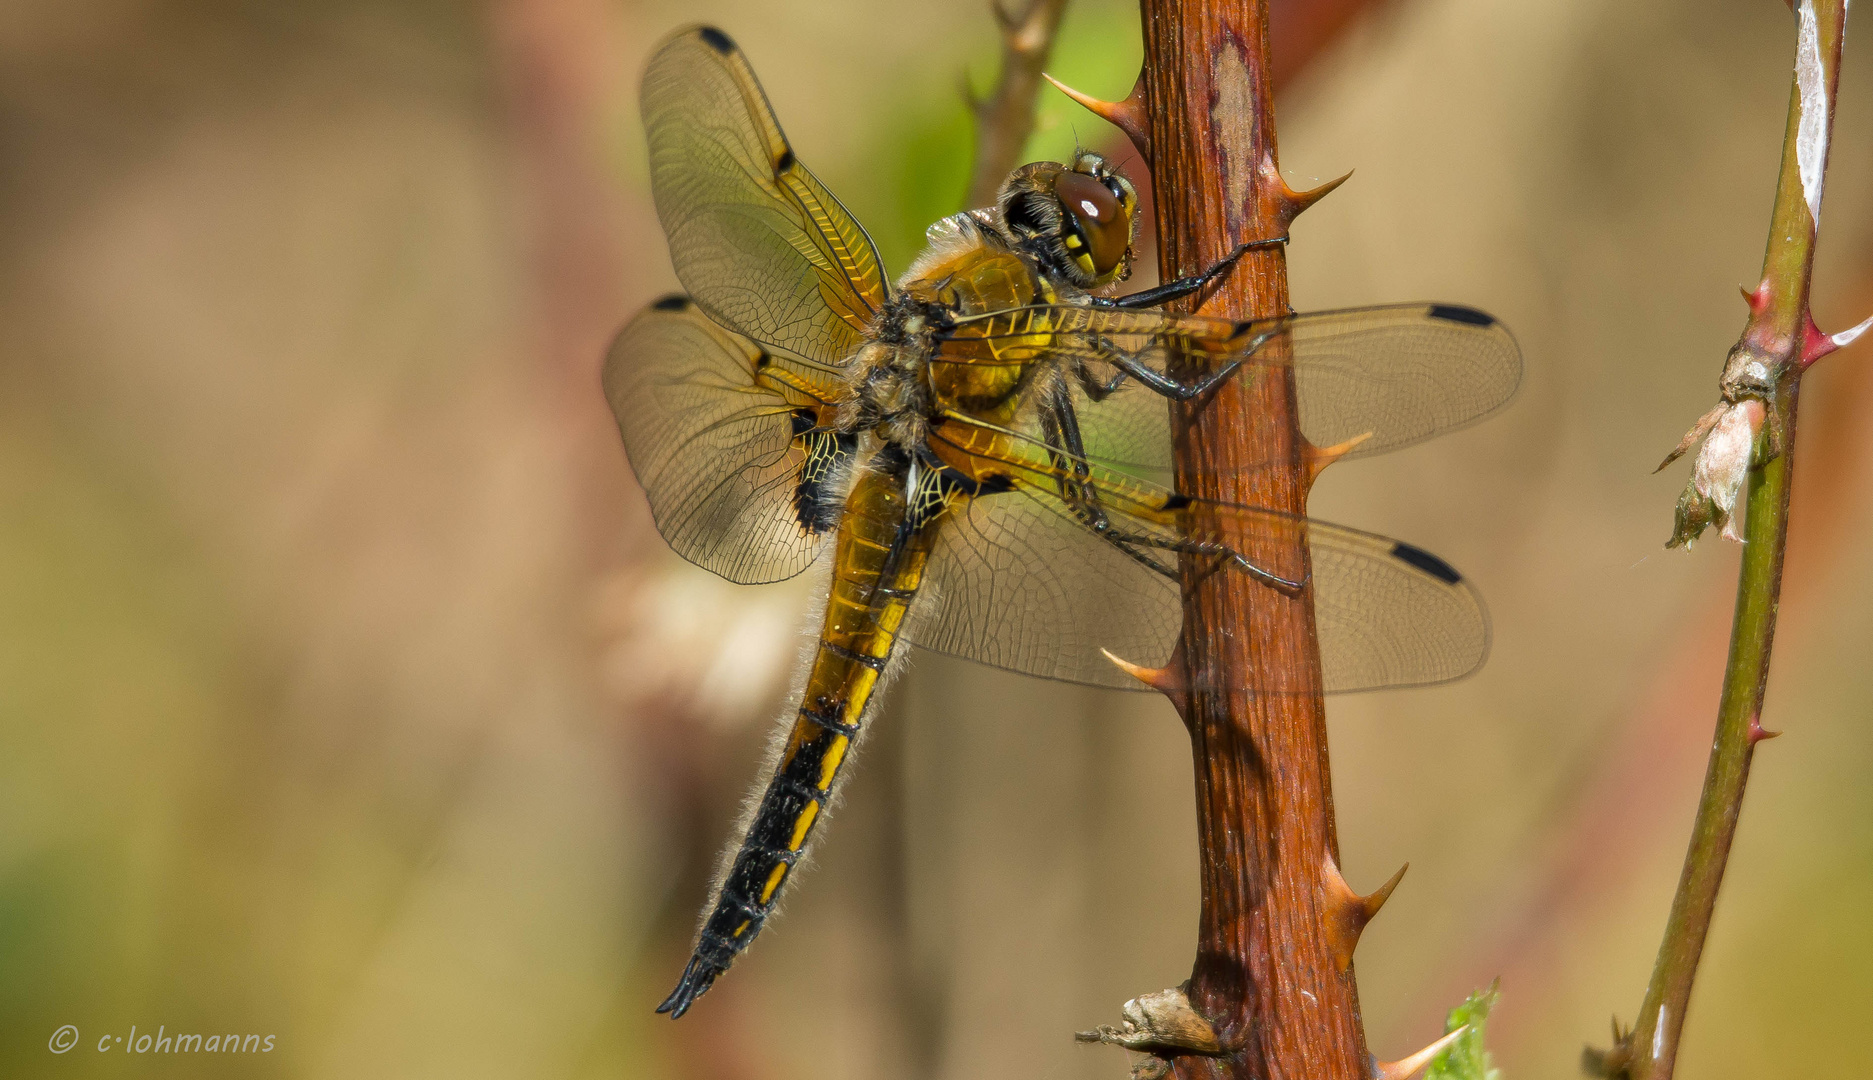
(1465, 1059)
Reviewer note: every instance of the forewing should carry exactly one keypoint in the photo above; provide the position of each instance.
(1019, 580)
(756, 239)
(717, 430)
(1397, 374)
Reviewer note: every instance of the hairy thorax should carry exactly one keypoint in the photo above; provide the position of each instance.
(898, 383)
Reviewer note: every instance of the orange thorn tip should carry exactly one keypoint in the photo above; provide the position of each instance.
(1294, 203)
(1166, 680)
(1345, 912)
(1405, 1067)
(1127, 115)
(1319, 457)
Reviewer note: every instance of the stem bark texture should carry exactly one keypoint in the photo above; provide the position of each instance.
(1265, 974)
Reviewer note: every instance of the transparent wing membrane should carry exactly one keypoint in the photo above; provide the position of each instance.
(1074, 558)
(1397, 374)
(756, 239)
(715, 428)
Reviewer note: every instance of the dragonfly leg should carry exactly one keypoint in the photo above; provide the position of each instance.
(1169, 387)
(1184, 286)
(1223, 555)
(1177, 389)
(1061, 430)
(1096, 390)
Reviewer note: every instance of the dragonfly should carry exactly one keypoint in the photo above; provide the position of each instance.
(978, 453)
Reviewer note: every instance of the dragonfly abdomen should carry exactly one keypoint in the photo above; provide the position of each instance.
(877, 568)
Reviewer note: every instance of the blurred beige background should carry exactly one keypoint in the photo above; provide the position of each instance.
(347, 695)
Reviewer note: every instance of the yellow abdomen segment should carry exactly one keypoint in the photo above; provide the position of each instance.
(878, 564)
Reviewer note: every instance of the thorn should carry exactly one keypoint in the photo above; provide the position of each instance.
(1614, 1061)
(1319, 457)
(1289, 203)
(1758, 733)
(1406, 1066)
(1167, 680)
(1127, 115)
(1346, 912)
(1816, 344)
(1759, 298)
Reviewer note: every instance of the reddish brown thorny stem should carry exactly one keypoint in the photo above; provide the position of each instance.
(1266, 975)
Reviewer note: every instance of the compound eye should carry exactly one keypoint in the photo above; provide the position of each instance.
(1104, 223)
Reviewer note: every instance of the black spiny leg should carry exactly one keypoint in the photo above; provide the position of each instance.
(1061, 430)
(1184, 286)
(1176, 389)
(1096, 390)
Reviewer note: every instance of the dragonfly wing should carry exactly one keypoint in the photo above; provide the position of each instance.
(1021, 580)
(1404, 372)
(1391, 615)
(1396, 374)
(1015, 582)
(723, 435)
(756, 239)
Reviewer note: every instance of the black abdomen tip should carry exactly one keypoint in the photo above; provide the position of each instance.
(696, 980)
(1426, 562)
(721, 43)
(1469, 316)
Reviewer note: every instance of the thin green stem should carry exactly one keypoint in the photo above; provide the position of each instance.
(1654, 1043)
(1776, 341)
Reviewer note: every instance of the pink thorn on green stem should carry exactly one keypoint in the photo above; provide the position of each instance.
(1816, 343)
(1762, 375)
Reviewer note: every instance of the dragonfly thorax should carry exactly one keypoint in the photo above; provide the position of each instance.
(887, 389)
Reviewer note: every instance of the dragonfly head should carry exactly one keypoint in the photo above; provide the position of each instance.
(1077, 218)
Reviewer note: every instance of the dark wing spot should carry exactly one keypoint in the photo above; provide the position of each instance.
(1175, 502)
(1426, 561)
(1466, 315)
(716, 40)
(673, 302)
(995, 484)
(783, 162)
(803, 421)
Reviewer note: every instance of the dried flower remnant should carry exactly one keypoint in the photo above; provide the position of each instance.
(1719, 473)
(1159, 1022)
(1745, 462)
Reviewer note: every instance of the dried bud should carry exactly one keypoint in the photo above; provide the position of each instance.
(1719, 475)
